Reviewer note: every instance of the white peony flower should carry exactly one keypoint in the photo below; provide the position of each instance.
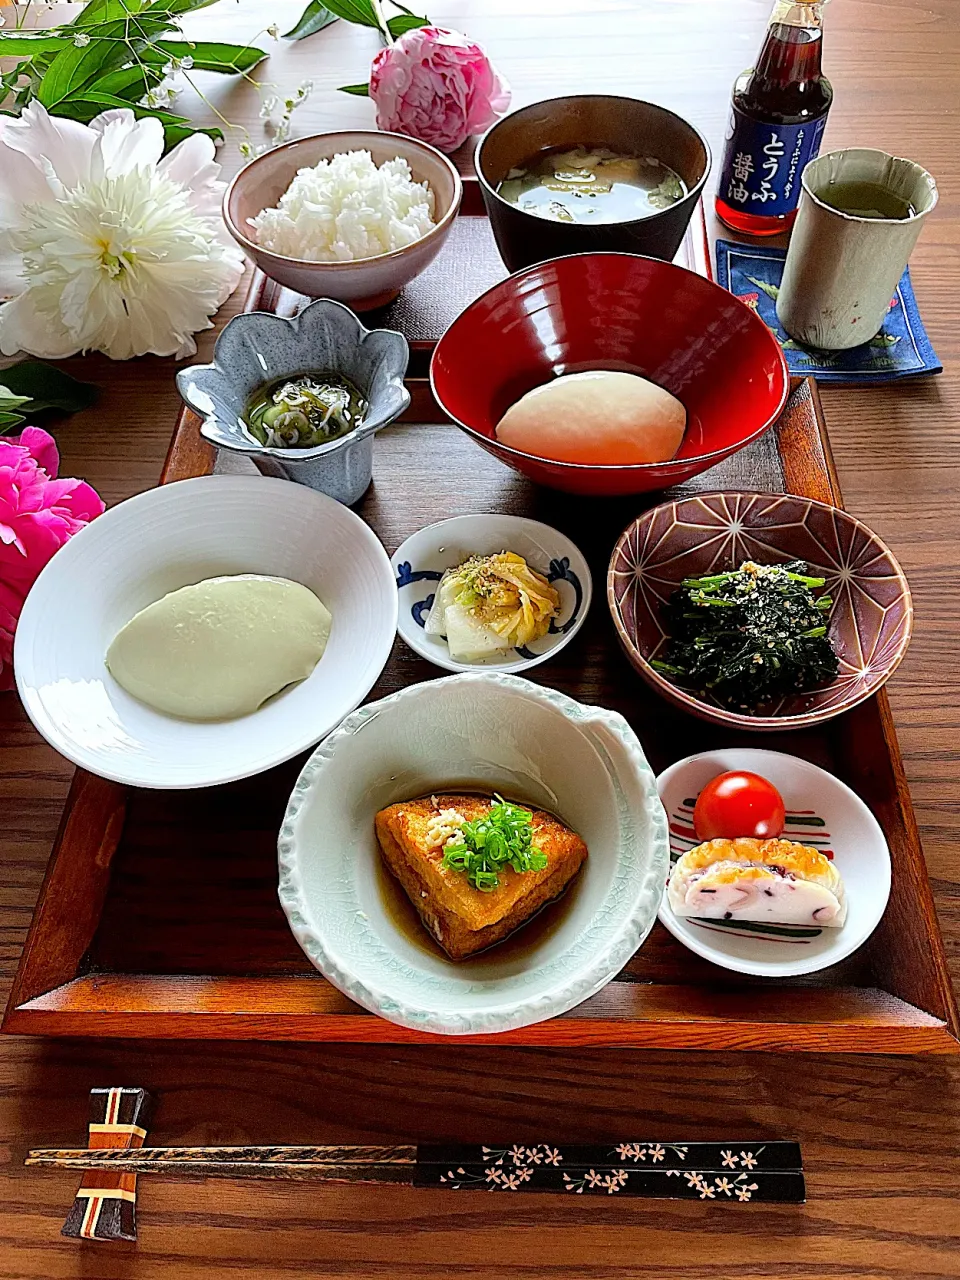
(106, 246)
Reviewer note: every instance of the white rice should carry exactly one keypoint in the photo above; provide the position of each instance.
(347, 208)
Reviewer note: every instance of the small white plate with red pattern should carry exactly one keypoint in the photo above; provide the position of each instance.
(822, 812)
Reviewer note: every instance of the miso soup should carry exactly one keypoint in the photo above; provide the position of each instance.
(592, 185)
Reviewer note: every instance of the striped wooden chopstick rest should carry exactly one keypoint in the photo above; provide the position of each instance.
(105, 1204)
(740, 1171)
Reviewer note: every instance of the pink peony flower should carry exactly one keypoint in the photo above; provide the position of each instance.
(38, 513)
(437, 86)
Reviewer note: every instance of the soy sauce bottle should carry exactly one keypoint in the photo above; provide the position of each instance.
(779, 113)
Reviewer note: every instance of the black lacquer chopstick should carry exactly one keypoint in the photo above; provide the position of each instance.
(734, 1170)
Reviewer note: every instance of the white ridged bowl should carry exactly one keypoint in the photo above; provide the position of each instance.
(491, 732)
(167, 538)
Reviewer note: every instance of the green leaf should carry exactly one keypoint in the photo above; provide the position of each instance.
(8, 420)
(208, 56)
(130, 83)
(361, 11)
(105, 11)
(314, 18)
(44, 387)
(404, 22)
(358, 90)
(174, 7)
(16, 45)
(9, 401)
(109, 49)
(175, 128)
(90, 103)
(175, 133)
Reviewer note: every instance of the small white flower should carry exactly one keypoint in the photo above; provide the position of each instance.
(728, 1159)
(657, 1153)
(81, 40)
(722, 1184)
(108, 246)
(270, 108)
(748, 1159)
(706, 1192)
(273, 30)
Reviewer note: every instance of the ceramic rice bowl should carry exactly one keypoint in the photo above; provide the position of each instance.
(489, 732)
(363, 283)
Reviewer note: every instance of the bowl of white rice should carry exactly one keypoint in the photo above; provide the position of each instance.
(352, 216)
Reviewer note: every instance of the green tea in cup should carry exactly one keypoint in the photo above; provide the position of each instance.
(866, 200)
(860, 214)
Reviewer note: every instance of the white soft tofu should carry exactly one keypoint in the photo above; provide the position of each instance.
(467, 639)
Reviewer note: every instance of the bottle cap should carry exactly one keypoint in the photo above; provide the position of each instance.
(787, 13)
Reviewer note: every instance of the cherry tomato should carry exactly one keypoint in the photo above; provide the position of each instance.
(739, 804)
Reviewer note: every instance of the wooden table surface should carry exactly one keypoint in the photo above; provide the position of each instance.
(881, 1136)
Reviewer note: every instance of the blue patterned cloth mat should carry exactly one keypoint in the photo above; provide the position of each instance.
(900, 350)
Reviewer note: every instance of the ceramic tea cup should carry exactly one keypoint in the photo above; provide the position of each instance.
(257, 348)
(842, 268)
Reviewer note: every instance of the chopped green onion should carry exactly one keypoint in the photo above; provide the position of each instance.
(501, 838)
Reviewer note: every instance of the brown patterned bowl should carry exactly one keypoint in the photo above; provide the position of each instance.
(870, 623)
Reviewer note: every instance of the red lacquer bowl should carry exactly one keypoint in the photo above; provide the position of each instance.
(613, 311)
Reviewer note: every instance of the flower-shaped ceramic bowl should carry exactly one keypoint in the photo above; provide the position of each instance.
(486, 731)
(256, 349)
(420, 562)
(870, 622)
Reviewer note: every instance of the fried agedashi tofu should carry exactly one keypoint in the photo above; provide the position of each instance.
(462, 918)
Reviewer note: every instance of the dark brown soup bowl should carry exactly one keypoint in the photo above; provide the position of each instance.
(625, 125)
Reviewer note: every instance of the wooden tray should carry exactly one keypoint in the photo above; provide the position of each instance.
(159, 915)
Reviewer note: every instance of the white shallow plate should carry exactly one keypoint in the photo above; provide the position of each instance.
(165, 539)
(490, 732)
(823, 812)
(420, 562)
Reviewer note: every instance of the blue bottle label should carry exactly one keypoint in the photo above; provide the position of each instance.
(763, 163)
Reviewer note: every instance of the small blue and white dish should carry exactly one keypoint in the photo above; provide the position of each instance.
(258, 348)
(421, 561)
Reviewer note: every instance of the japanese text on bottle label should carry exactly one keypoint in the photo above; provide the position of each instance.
(763, 164)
